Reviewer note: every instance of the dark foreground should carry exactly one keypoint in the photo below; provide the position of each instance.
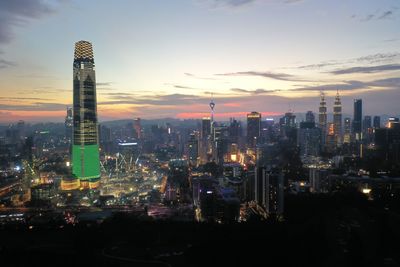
(318, 231)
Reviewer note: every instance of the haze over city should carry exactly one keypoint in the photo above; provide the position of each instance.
(158, 59)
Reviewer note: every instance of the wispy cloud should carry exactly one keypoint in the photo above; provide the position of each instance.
(352, 85)
(369, 69)
(253, 92)
(266, 74)
(18, 13)
(227, 3)
(38, 106)
(104, 84)
(377, 15)
(369, 59)
(241, 3)
(23, 98)
(198, 77)
(5, 63)
(386, 14)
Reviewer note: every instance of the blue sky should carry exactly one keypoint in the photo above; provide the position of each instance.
(162, 58)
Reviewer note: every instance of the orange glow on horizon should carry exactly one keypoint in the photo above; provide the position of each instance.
(199, 115)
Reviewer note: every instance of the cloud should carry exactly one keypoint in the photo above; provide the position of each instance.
(376, 58)
(352, 85)
(378, 15)
(241, 3)
(253, 92)
(319, 66)
(345, 86)
(369, 59)
(23, 98)
(386, 15)
(266, 74)
(229, 3)
(18, 13)
(370, 69)
(183, 87)
(160, 100)
(198, 77)
(368, 17)
(5, 63)
(104, 84)
(37, 106)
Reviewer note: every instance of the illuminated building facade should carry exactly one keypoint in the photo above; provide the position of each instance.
(323, 117)
(337, 119)
(85, 144)
(193, 148)
(253, 128)
(347, 131)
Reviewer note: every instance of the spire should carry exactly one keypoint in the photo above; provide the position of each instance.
(212, 106)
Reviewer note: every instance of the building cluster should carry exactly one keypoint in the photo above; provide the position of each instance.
(226, 170)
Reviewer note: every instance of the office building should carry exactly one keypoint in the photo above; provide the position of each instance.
(377, 122)
(253, 128)
(85, 145)
(337, 119)
(357, 119)
(347, 131)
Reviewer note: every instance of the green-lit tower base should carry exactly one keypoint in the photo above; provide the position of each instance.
(85, 162)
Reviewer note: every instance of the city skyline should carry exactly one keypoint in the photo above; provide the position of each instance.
(167, 63)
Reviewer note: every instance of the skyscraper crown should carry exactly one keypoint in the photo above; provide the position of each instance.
(83, 51)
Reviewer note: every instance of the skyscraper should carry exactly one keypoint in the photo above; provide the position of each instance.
(205, 127)
(347, 131)
(322, 118)
(85, 148)
(337, 119)
(193, 148)
(310, 117)
(377, 122)
(253, 128)
(138, 128)
(357, 119)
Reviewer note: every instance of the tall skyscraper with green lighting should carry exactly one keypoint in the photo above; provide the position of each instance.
(85, 146)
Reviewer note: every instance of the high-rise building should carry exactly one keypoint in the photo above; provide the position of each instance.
(193, 148)
(357, 119)
(337, 119)
(393, 122)
(235, 130)
(288, 127)
(220, 143)
(205, 127)
(205, 139)
(268, 190)
(330, 141)
(138, 128)
(85, 145)
(347, 131)
(367, 123)
(377, 122)
(309, 139)
(69, 122)
(253, 128)
(21, 129)
(323, 118)
(310, 117)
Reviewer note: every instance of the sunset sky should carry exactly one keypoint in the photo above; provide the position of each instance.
(164, 58)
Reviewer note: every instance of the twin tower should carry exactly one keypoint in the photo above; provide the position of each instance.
(85, 143)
